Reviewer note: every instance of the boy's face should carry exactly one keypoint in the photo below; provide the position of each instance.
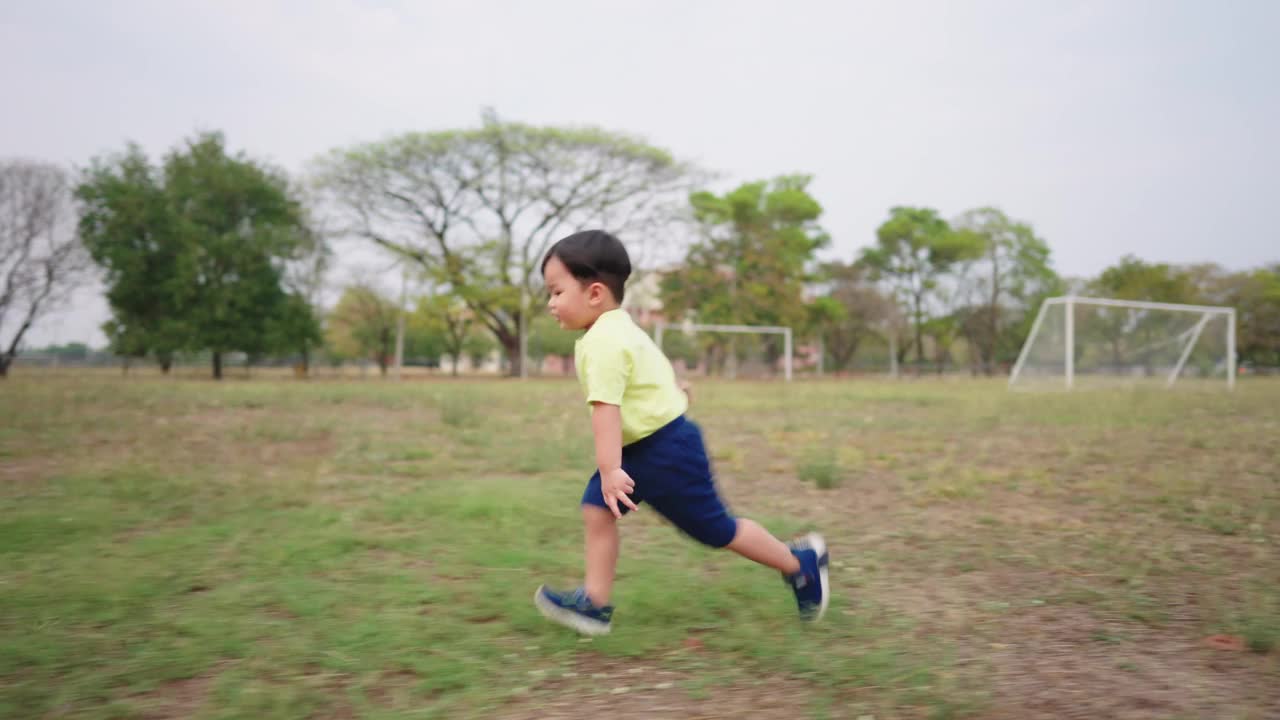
(574, 304)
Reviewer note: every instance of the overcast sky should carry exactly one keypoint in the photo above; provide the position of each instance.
(1113, 127)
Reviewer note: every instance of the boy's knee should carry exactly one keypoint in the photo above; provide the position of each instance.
(717, 534)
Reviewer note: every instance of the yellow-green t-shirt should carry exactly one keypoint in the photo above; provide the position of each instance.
(619, 364)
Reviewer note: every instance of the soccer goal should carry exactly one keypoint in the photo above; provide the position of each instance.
(1103, 342)
(689, 328)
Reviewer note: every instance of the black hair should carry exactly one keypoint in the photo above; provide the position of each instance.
(593, 256)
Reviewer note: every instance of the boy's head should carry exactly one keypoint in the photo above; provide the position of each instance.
(585, 275)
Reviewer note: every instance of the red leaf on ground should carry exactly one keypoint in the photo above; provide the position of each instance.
(1225, 642)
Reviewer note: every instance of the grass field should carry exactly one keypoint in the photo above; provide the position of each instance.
(284, 549)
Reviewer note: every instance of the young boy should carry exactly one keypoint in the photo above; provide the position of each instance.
(646, 450)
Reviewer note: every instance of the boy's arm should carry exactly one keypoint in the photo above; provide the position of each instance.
(615, 484)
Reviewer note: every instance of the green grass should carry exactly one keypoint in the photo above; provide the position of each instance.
(821, 468)
(273, 549)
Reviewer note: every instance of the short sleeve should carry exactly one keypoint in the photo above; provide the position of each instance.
(606, 368)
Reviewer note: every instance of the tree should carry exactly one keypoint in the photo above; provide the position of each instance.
(129, 230)
(914, 249)
(478, 208)
(304, 276)
(41, 259)
(752, 261)
(1013, 267)
(363, 325)
(478, 347)
(681, 347)
(451, 320)
(424, 340)
(546, 337)
(294, 326)
(1135, 279)
(860, 312)
(1255, 294)
(240, 224)
(194, 254)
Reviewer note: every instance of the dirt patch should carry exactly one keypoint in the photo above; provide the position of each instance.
(634, 691)
(177, 699)
(28, 469)
(1065, 663)
(392, 689)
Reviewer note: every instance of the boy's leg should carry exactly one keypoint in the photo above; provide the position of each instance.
(753, 542)
(602, 552)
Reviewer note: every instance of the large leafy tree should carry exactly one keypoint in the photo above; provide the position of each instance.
(194, 252)
(915, 248)
(1013, 269)
(41, 260)
(478, 208)
(128, 226)
(753, 258)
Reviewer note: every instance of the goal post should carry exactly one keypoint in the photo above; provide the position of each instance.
(690, 327)
(1083, 338)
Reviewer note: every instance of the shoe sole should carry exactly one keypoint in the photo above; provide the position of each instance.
(568, 618)
(819, 545)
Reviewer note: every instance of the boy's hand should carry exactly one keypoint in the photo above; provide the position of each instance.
(616, 485)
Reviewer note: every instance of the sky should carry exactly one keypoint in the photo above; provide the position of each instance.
(1116, 127)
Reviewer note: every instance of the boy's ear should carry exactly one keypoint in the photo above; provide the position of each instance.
(595, 292)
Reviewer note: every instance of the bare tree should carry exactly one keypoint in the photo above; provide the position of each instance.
(306, 272)
(41, 259)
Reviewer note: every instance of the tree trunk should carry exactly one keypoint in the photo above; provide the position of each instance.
(4, 366)
(919, 313)
(989, 358)
(166, 363)
(455, 357)
(217, 364)
(384, 350)
(511, 348)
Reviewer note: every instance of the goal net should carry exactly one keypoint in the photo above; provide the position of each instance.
(733, 349)
(1078, 341)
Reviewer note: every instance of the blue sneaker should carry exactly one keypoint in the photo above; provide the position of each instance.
(573, 610)
(810, 585)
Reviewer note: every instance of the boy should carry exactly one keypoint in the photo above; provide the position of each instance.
(645, 448)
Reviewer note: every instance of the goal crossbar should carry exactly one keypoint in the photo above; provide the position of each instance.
(1139, 304)
(785, 332)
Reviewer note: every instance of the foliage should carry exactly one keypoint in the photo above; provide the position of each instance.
(194, 252)
(363, 326)
(914, 250)
(852, 311)
(752, 262)
(478, 208)
(1014, 268)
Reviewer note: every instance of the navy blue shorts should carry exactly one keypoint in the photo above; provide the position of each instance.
(672, 474)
